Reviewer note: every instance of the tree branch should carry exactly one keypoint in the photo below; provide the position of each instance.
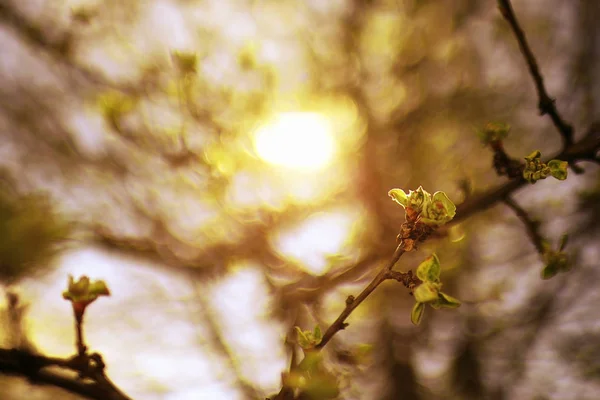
(352, 302)
(546, 103)
(582, 150)
(531, 226)
(90, 382)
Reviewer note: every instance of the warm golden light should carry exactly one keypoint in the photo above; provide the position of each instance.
(301, 140)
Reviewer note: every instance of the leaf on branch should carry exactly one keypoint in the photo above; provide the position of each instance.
(429, 292)
(439, 210)
(417, 313)
(536, 170)
(445, 301)
(558, 169)
(83, 291)
(430, 269)
(399, 197)
(434, 210)
(307, 339)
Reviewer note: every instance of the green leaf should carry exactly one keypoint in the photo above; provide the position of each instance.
(429, 270)
(317, 335)
(417, 313)
(535, 169)
(556, 261)
(563, 242)
(307, 339)
(549, 271)
(427, 292)
(399, 196)
(84, 291)
(439, 210)
(303, 340)
(558, 169)
(533, 155)
(418, 199)
(447, 301)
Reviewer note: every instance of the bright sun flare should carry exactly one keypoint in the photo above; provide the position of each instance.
(301, 140)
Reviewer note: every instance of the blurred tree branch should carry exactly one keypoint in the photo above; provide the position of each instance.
(90, 380)
(220, 343)
(546, 103)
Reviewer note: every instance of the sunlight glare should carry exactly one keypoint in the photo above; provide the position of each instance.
(300, 140)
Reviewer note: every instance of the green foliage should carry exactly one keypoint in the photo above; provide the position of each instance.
(430, 269)
(429, 292)
(417, 313)
(30, 234)
(556, 261)
(536, 170)
(558, 169)
(493, 132)
(433, 210)
(307, 339)
(85, 291)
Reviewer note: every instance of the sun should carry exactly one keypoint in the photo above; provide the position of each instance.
(298, 140)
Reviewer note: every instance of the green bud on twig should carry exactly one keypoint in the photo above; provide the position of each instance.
(433, 210)
(536, 170)
(429, 292)
(493, 132)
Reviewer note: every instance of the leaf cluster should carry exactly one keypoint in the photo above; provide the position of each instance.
(429, 292)
(536, 170)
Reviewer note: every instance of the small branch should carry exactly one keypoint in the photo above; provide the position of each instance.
(546, 103)
(352, 302)
(95, 386)
(81, 347)
(503, 163)
(583, 150)
(531, 225)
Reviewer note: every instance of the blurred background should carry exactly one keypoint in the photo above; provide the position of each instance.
(224, 166)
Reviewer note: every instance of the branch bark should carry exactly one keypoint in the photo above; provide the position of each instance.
(545, 103)
(91, 382)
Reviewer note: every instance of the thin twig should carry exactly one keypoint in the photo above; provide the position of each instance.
(531, 225)
(81, 347)
(352, 302)
(546, 103)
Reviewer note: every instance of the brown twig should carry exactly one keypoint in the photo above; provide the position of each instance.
(503, 163)
(531, 225)
(96, 386)
(546, 103)
(81, 347)
(353, 302)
